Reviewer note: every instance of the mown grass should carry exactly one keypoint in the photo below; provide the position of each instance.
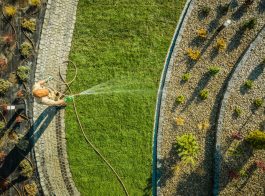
(123, 41)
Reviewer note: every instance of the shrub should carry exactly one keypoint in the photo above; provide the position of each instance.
(25, 49)
(3, 61)
(4, 86)
(10, 10)
(193, 54)
(238, 111)
(249, 84)
(180, 121)
(186, 77)
(204, 94)
(34, 3)
(237, 135)
(250, 24)
(187, 148)
(31, 189)
(2, 125)
(180, 99)
(205, 11)
(7, 39)
(260, 164)
(202, 33)
(258, 102)
(29, 24)
(25, 169)
(256, 139)
(214, 70)
(203, 125)
(220, 44)
(23, 72)
(2, 156)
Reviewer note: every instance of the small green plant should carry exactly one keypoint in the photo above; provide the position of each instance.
(238, 111)
(4, 86)
(250, 24)
(26, 49)
(186, 77)
(29, 24)
(249, 84)
(214, 70)
(25, 169)
(23, 72)
(258, 102)
(2, 125)
(180, 99)
(10, 10)
(204, 94)
(256, 139)
(35, 3)
(187, 148)
(205, 11)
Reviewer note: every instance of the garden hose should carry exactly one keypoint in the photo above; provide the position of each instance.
(83, 132)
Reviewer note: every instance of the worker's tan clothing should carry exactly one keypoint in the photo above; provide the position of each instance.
(49, 100)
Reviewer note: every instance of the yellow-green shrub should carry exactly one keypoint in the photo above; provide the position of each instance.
(256, 139)
(10, 10)
(29, 24)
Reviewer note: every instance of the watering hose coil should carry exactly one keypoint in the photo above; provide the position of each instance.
(82, 129)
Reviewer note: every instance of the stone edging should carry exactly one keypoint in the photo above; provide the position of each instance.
(230, 86)
(157, 137)
(50, 150)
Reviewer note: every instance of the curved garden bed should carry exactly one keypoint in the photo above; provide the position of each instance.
(202, 64)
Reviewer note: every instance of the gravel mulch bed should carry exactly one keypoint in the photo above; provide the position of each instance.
(239, 174)
(199, 180)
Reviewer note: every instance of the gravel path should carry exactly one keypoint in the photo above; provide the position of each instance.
(199, 180)
(50, 150)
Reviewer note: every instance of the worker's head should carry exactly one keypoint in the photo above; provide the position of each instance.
(40, 93)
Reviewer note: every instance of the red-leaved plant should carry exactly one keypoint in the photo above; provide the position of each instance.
(260, 164)
(233, 175)
(237, 135)
(8, 39)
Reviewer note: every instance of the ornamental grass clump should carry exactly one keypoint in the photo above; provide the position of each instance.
(248, 84)
(25, 169)
(29, 24)
(221, 44)
(25, 49)
(238, 111)
(187, 148)
(10, 10)
(214, 70)
(204, 94)
(258, 103)
(180, 99)
(23, 73)
(250, 24)
(193, 54)
(202, 33)
(4, 86)
(31, 189)
(256, 139)
(35, 3)
(186, 77)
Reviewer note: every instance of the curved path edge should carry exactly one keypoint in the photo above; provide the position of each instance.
(162, 93)
(50, 150)
(230, 85)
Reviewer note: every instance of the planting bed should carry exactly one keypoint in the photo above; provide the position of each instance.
(20, 23)
(200, 69)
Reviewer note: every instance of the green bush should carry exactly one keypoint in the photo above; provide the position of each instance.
(180, 99)
(29, 24)
(4, 86)
(25, 49)
(258, 102)
(187, 148)
(25, 169)
(23, 72)
(2, 125)
(249, 84)
(214, 70)
(205, 11)
(256, 139)
(238, 111)
(204, 94)
(186, 77)
(250, 24)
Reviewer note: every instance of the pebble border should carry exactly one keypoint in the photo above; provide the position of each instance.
(50, 150)
(230, 86)
(162, 93)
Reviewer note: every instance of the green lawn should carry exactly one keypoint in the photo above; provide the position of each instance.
(125, 41)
